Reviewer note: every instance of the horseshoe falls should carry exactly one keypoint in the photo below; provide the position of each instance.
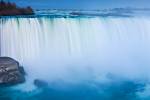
(80, 58)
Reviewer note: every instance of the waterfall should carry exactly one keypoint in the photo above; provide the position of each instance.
(78, 49)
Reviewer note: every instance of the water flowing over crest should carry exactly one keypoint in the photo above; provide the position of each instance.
(78, 50)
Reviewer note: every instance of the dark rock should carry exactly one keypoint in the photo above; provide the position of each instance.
(10, 72)
(40, 83)
(76, 13)
(21, 69)
(11, 9)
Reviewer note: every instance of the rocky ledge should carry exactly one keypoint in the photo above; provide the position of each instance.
(10, 72)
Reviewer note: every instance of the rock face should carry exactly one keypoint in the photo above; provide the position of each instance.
(10, 72)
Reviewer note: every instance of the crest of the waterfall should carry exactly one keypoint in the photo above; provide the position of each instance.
(78, 49)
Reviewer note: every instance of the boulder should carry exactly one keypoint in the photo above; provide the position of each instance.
(40, 83)
(10, 72)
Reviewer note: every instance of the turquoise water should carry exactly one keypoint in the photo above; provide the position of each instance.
(113, 90)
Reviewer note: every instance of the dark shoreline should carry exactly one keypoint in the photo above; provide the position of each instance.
(11, 9)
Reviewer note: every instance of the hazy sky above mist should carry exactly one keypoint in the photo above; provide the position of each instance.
(83, 4)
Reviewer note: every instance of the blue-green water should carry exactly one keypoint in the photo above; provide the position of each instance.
(112, 90)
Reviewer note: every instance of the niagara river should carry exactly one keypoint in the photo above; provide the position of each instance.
(79, 58)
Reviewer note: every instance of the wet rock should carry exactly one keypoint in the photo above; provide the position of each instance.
(21, 69)
(40, 83)
(10, 72)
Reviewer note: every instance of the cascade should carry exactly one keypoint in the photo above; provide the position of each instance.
(78, 49)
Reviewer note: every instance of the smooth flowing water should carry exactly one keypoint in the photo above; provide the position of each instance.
(87, 58)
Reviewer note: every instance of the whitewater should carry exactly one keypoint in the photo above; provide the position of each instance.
(70, 52)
